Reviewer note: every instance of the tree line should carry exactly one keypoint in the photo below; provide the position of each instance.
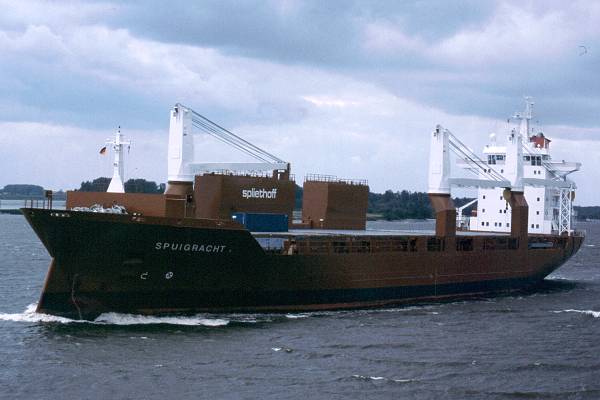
(389, 205)
(137, 185)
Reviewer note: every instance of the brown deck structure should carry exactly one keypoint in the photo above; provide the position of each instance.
(332, 203)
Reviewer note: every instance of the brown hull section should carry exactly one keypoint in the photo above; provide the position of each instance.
(156, 265)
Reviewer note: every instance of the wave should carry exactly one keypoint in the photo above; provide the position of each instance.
(113, 318)
(381, 378)
(595, 314)
(132, 319)
(29, 315)
(285, 349)
(208, 320)
(297, 316)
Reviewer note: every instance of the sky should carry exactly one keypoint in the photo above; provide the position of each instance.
(346, 88)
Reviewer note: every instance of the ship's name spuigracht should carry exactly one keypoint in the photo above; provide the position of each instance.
(192, 247)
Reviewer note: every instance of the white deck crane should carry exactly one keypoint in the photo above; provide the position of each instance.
(182, 165)
(440, 172)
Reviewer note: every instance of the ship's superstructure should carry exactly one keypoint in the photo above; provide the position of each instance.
(548, 191)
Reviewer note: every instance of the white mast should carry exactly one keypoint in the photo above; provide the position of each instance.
(116, 183)
(525, 117)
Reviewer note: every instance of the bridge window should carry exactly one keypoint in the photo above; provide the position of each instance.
(536, 160)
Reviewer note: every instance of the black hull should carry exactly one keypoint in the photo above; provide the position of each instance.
(103, 263)
(90, 306)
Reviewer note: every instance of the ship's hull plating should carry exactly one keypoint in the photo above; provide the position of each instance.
(121, 263)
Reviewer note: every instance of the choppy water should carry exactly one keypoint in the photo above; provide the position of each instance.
(542, 345)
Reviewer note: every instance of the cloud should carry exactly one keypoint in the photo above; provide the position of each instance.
(349, 88)
(511, 37)
(17, 15)
(383, 39)
(438, 53)
(442, 55)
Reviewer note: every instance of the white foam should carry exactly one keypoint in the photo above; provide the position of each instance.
(29, 315)
(558, 277)
(297, 316)
(381, 378)
(132, 319)
(595, 314)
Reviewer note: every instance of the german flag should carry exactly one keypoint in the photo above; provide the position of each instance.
(103, 150)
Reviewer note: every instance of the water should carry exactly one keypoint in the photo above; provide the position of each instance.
(542, 345)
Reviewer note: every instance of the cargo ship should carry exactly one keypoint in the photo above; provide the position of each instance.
(223, 236)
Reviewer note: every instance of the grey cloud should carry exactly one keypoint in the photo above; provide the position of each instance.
(331, 35)
(400, 67)
(323, 33)
(257, 29)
